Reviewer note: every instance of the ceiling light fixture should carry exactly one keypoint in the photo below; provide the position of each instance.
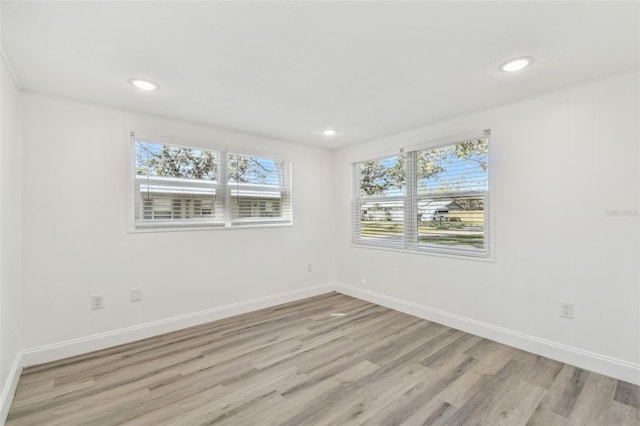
(329, 132)
(516, 64)
(144, 84)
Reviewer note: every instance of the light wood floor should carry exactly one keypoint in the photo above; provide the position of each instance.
(297, 364)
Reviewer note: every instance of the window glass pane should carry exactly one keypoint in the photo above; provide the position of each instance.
(455, 168)
(256, 170)
(383, 177)
(382, 220)
(174, 183)
(451, 222)
(259, 187)
(156, 159)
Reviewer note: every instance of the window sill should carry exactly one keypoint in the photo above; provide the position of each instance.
(425, 252)
(221, 227)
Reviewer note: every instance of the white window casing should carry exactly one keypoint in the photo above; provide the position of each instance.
(425, 200)
(182, 187)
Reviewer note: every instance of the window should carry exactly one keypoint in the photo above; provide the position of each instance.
(177, 186)
(382, 198)
(257, 188)
(428, 200)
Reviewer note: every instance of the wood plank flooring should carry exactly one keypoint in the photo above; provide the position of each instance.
(300, 364)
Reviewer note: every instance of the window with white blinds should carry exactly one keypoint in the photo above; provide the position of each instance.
(177, 186)
(380, 208)
(428, 200)
(259, 189)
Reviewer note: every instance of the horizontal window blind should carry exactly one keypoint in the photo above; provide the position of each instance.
(259, 189)
(457, 168)
(382, 220)
(380, 205)
(451, 222)
(176, 186)
(428, 200)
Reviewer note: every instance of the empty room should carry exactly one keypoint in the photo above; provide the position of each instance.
(320, 213)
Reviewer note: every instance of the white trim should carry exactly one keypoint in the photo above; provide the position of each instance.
(382, 155)
(202, 144)
(410, 199)
(436, 251)
(421, 142)
(221, 187)
(198, 144)
(195, 227)
(598, 363)
(450, 140)
(73, 347)
(9, 388)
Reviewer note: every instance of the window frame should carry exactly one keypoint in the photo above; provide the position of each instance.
(409, 241)
(286, 192)
(222, 188)
(358, 201)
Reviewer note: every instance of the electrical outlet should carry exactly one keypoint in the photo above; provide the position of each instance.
(136, 294)
(566, 310)
(309, 267)
(97, 301)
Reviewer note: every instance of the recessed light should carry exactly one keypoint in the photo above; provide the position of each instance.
(329, 132)
(144, 84)
(516, 64)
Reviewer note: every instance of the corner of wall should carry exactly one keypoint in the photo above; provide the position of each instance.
(598, 363)
(11, 284)
(12, 73)
(48, 353)
(9, 388)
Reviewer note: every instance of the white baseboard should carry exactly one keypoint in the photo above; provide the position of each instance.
(9, 388)
(612, 367)
(47, 353)
(602, 364)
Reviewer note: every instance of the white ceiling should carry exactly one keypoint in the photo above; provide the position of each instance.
(289, 69)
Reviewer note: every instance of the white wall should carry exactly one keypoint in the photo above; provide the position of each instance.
(76, 189)
(10, 239)
(560, 165)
